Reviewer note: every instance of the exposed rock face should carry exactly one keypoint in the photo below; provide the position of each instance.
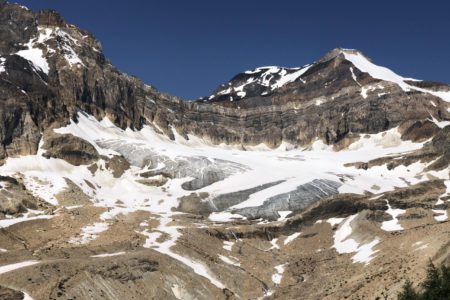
(71, 149)
(9, 294)
(36, 94)
(14, 198)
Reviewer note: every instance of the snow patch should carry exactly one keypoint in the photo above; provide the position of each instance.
(392, 225)
(2, 65)
(12, 267)
(26, 296)
(165, 248)
(89, 233)
(283, 214)
(108, 254)
(441, 215)
(343, 244)
(230, 261)
(291, 237)
(276, 278)
(335, 221)
(228, 245)
(12, 221)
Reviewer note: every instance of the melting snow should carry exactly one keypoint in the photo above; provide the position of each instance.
(165, 248)
(343, 244)
(283, 214)
(26, 296)
(291, 237)
(229, 261)
(9, 222)
(228, 245)
(109, 254)
(441, 215)
(276, 278)
(440, 124)
(392, 225)
(335, 221)
(274, 243)
(224, 217)
(12, 267)
(89, 233)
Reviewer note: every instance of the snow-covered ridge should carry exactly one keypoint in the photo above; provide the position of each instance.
(65, 43)
(382, 73)
(268, 78)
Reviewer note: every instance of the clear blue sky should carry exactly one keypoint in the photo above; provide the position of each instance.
(189, 47)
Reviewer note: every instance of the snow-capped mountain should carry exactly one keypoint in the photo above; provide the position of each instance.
(270, 82)
(327, 181)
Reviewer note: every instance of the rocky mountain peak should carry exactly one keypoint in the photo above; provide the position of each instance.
(340, 52)
(266, 83)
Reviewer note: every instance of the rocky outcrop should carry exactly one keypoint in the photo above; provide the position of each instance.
(10, 294)
(70, 148)
(14, 198)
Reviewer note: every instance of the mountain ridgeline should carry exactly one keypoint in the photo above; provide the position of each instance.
(50, 69)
